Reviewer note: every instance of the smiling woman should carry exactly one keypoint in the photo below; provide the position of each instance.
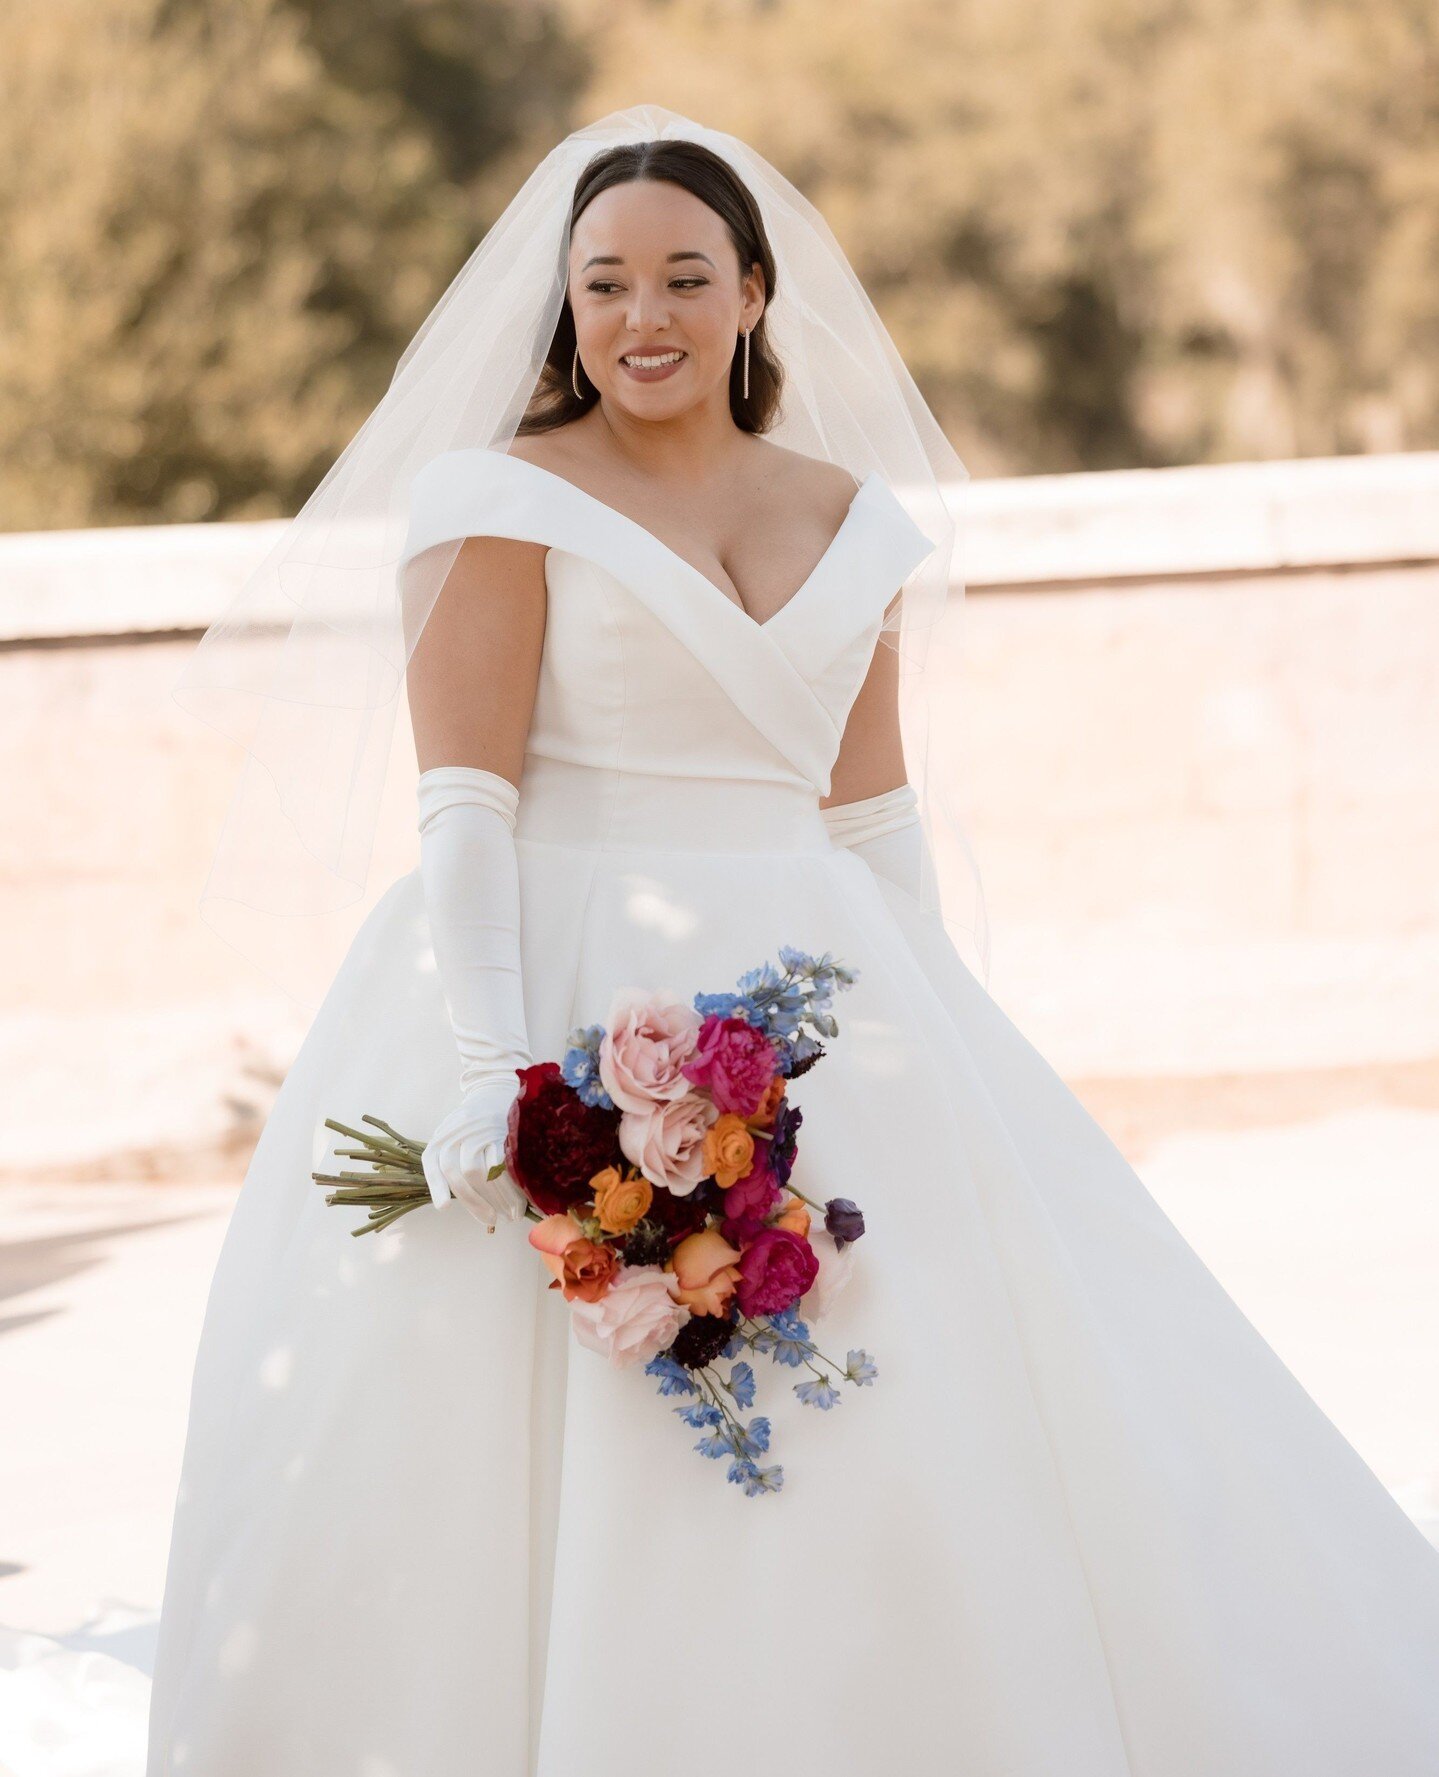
(663, 688)
(635, 293)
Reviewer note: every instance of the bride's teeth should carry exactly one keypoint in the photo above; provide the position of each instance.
(653, 363)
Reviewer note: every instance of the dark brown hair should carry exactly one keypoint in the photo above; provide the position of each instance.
(711, 179)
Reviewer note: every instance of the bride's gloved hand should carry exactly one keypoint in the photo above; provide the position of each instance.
(885, 831)
(472, 896)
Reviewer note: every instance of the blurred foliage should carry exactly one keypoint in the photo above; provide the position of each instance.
(1103, 232)
(224, 221)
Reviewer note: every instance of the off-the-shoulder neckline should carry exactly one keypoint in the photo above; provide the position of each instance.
(866, 486)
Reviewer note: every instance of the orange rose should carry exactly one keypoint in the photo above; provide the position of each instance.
(582, 1267)
(706, 1269)
(769, 1104)
(620, 1201)
(728, 1149)
(794, 1216)
(551, 1236)
(589, 1270)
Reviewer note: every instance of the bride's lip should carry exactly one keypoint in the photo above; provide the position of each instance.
(655, 373)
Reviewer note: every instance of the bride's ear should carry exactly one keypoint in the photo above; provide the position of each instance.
(755, 292)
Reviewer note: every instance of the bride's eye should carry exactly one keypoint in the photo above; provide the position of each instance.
(603, 286)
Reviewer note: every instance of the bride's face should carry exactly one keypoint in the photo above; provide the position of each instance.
(653, 273)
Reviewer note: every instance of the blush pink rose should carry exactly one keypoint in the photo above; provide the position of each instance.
(648, 1039)
(634, 1319)
(835, 1264)
(667, 1141)
(734, 1062)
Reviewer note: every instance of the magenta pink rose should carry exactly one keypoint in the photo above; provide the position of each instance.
(734, 1062)
(757, 1192)
(741, 1230)
(776, 1269)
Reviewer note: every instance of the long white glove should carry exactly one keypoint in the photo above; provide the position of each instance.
(471, 882)
(886, 831)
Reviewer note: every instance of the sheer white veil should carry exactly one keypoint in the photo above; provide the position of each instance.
(305, 667)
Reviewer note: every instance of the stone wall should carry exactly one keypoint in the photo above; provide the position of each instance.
(1195, 731)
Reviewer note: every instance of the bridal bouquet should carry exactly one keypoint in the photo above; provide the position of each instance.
(656, 1163)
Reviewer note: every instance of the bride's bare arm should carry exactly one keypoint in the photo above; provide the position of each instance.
(472, 676)
(871, 757)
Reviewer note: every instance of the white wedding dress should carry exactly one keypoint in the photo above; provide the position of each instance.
(1084, 1524)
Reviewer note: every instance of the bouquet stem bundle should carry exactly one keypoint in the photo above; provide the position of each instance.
(395, 1183)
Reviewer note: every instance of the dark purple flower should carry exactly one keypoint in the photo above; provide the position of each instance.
(782, 1144)
(702, 1338)
(843, 1220)
(679, 1216)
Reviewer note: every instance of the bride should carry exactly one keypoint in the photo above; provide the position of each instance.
(649, 528)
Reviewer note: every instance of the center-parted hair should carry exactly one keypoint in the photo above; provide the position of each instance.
(714, 182)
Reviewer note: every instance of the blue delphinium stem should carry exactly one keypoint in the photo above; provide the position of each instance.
(790, 1344)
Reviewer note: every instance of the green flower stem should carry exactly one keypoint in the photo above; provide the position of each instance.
(415, 1147)
(796, 1192)
(397, 1149)
(807, 1345)
(383, 1221)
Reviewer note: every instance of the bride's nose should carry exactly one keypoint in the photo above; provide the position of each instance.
(647, 310)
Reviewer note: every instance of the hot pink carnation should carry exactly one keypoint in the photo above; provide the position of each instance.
(734, 1062)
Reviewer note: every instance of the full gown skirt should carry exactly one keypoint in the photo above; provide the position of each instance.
(1084, 1523)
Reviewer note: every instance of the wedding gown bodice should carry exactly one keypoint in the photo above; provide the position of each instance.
(657, 692)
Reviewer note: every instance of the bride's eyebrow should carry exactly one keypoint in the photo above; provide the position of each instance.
(615, 259)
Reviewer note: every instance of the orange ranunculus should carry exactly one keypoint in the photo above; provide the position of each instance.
(765, 1110)
(794, 1216)
(706, 1269)
(728, 1149)
(620, 1200)
(582, 1267)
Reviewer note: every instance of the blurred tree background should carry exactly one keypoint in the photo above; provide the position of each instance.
(1104, 233)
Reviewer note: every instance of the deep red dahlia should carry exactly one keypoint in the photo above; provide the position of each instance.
(554, 1142)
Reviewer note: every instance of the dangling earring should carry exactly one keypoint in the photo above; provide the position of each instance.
(575, 373)
(746, 363)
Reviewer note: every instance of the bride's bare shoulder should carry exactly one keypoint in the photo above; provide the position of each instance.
(534, 447)
(803, 481)
(787, 481)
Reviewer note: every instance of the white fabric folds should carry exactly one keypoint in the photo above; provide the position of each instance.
(887, 832)
(472, 898)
